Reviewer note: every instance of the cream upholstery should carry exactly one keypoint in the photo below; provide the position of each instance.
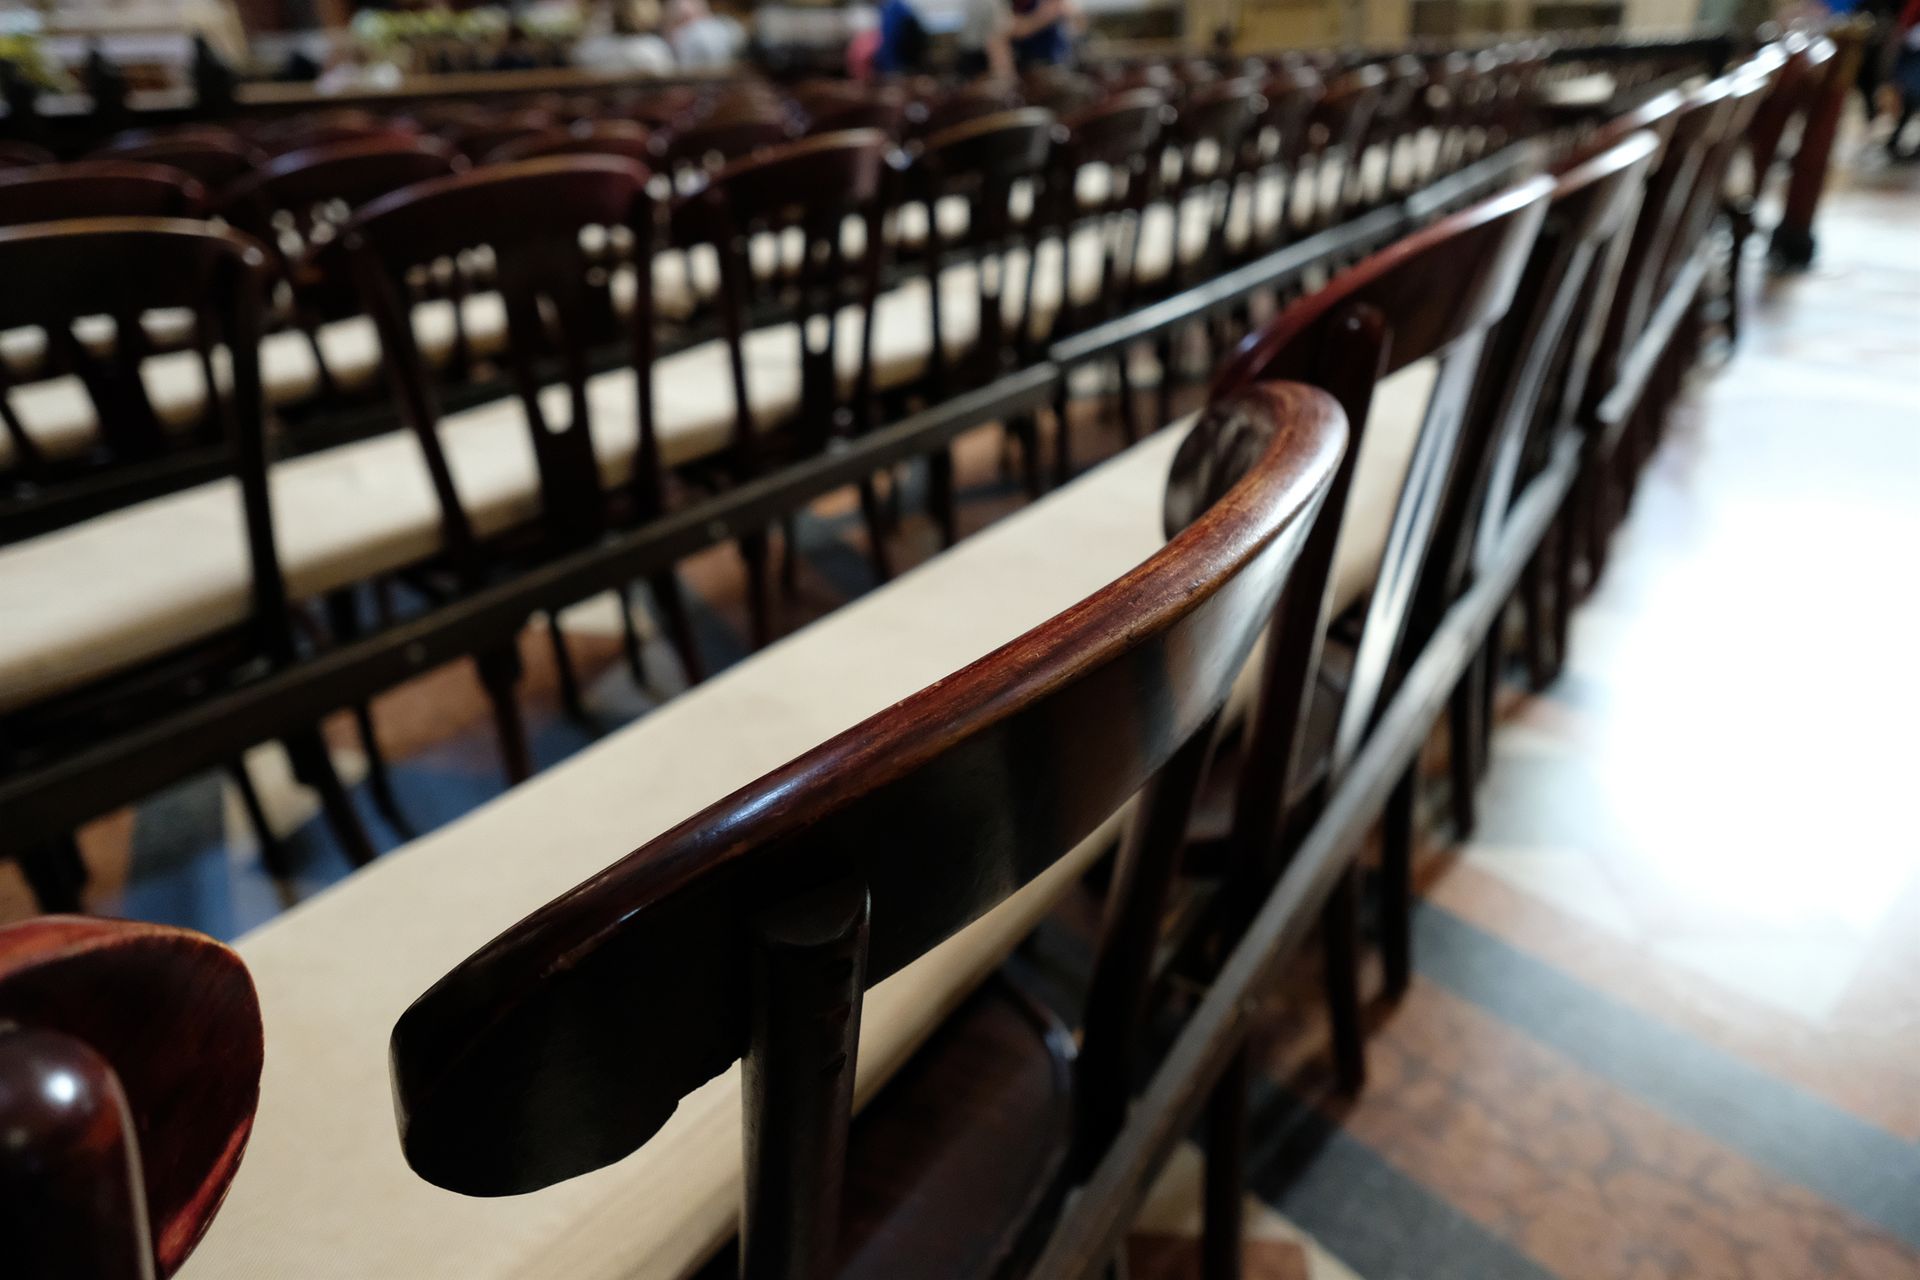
(95, 598)
(323, 1191)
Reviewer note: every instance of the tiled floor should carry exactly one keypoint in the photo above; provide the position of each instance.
(1666, 1017)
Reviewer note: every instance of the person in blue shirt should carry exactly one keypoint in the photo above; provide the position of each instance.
(903, 40)
(1042, 31)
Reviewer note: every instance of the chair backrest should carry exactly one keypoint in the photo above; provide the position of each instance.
(1435, 295)
(1793, 85)
(130, 1062)
(602, 138)
(214, 156)
(1119, 142)
(799, 199)
(120, 269)
(1517, 406)
(988, 162)
(22, 154)
(1747, 87)
(916, 822)
(97, 189)
(1338, 127)
(297, 203)
(721, 139)
(531, 217)
(477, 140)
(328, 128)
(1696, 127)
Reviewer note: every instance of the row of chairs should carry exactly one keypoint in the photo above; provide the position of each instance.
(104, 651)
(1556, 318)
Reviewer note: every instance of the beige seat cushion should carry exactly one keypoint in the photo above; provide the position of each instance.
(58, 415)
(323, 1191)
(98, 597)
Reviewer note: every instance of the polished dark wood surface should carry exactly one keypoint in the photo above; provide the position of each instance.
(97, 189)
(555, 1050)
(159, 1031)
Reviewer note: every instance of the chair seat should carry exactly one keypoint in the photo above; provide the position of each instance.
(118, 590)
(324, 1190)
(963, 1148)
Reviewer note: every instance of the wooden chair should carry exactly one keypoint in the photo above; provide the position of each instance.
(1118, 145)
(122, 269)
(216, 157)
(601, 138)
(1794, 82)
(1337, 129)
(130, 1059)
(719, 140)
(986, 162)
(800, 197)
(97, 189)
(296, 205)
(1514, 419)
(329, 128)
(477, 140)
(20, 155)
(779, 906)
(530, 216)
(1275, 150)
(1434, 296)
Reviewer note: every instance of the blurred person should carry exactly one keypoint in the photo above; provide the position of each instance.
(699, 38)
(983, 40)
(1041, 32)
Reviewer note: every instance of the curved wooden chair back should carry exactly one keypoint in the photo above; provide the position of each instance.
(130, 1062)
(97, 189)
(1747, 89)
(969, 102)
(1531, 370)
(1799, 74)
(1211, 134)
(328, 128)
(475, 141)
(1696, 127)
(715, 142)
(799, 198)
(1338, 127)
(1434, 296)
(58, 274)
(1291, 95)
(1120, 139)
(214, 156)
(557, 1048)
(531, 217)
(880, 110)
(602, 138)
(987, 162)
(298, 202)
(1063, 92)
(20, 155)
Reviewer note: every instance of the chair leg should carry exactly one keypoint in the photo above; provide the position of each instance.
(1463, 741)
(314, 768)
(753, 552)
(1026, 429)
(1396, 884)
(1564, 553)
(1536, 608)
(1164, 351)
(56, 874)
(1340, 937)
(672, 603)
(500, 677)
(571, 700)
(1492, 663)
(1226, 1173)
(1062, 437)
(273, 851)
(379, 778)
(790, 555)
(940, 494)
(1129, 411)
(875, 516)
